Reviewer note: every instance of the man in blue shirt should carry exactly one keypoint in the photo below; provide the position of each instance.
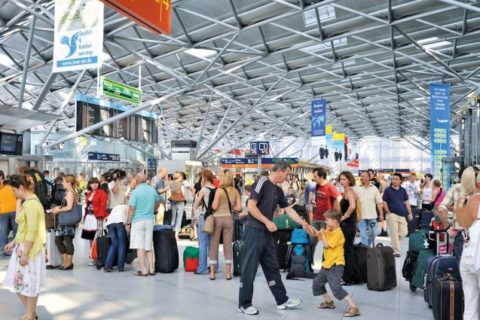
(397, 207)
(143, 201)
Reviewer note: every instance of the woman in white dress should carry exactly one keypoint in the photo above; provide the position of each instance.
(467, 211)
(26, 270)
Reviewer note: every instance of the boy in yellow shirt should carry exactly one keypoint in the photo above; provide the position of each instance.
(333, 265)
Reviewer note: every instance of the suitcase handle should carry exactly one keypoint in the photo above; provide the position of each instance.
(379, 245)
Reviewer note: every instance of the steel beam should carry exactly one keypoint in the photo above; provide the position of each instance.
(26, 62)
(200, 137)
(46, 88)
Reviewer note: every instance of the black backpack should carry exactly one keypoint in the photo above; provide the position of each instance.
(211, 197)
(58, 193)
(41, 186)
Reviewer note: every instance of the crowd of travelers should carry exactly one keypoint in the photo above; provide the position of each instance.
(330, 211)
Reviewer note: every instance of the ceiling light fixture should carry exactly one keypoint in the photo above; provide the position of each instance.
(6, 61)
(200, 53)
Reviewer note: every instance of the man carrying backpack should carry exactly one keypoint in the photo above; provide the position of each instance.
(259, 247)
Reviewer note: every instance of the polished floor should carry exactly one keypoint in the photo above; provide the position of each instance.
(86, 293)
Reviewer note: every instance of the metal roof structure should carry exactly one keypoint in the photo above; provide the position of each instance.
(235, 70)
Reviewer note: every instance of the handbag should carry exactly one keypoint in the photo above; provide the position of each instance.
(70, 218)
(209, 225)
(358, 207)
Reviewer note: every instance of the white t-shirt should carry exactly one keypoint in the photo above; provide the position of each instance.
(427, 195)
(413, 190)
(118, 215)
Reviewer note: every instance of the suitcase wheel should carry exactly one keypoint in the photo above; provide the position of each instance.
(413, 288)
(98, 267)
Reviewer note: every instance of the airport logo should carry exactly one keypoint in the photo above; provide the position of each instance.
(71, 43)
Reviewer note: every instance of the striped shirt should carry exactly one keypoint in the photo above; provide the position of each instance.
(369, 197)
(453, 194)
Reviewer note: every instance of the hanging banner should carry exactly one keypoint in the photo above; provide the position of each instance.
(328, 129)
(338, 146)
(78, 38)
(155, 15)
(439, 125)
(319, 117)
(120, 91)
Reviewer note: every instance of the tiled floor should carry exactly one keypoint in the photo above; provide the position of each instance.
(86, 293)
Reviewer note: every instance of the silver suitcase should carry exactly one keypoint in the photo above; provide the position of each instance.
(54, 258)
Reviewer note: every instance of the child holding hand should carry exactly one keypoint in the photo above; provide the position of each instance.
(333, 265)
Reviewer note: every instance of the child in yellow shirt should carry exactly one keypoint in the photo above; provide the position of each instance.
(333, 265)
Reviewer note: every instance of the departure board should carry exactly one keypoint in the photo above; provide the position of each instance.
(141, 127)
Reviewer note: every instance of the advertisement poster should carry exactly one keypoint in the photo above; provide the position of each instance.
(78, 38)
(439, 125)
(319, 117)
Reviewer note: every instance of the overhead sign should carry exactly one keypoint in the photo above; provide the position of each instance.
(155, 15)
(319, 117)
(121, 91)
(439, 125)
(97, 156)
(151, 164)
(243, 163)
(260, 148)
(78, 37)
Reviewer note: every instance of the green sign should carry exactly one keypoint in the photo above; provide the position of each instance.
(121, 91)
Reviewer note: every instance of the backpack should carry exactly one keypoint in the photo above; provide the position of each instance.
(58, 193)
(208, 207)
(300, 236)
(41, 186)
(298, 256)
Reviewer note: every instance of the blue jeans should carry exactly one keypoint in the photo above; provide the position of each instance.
(203, 246)
(177, 214)
(7, 223)
(367, 231)
(118, 247)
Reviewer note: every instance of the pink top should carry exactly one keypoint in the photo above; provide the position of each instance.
(440, 198)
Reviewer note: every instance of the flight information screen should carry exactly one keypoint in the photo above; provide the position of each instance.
(141, 127)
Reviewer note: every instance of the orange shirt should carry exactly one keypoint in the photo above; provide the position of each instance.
(8, 201)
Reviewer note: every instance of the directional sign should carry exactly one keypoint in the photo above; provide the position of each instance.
(261, 148)
(121, 91)
(97, 156)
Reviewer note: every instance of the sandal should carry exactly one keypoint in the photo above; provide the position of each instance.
(140, 274)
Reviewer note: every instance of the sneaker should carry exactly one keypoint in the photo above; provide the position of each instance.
(251, 311)
(352, 312)
(327, 305)
(291, 303)
(92, 263)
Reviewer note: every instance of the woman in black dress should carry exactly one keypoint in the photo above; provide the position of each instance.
(351, 274)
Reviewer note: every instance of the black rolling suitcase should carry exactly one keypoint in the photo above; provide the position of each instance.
(166, 250)
(447, 298)
(103, 243)
(237, 257)
(281, 239)
(360, 252)
(381, 273)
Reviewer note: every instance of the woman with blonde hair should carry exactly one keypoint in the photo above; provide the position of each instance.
(65, 234)
(467, 211)
(26, 270)
(227, 199)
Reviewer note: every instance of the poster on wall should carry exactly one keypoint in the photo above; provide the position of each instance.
(78, 37)
(319, 117)
(439, 125)
(339, 146)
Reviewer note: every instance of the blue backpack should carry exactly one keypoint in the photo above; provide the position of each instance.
(300, 236)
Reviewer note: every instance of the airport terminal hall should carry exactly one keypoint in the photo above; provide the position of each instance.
(239, 159)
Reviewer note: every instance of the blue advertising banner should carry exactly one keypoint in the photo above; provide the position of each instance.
(319, 117)
(439, 125)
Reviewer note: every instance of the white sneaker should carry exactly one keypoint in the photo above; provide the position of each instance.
(251, 311)
(289, 304)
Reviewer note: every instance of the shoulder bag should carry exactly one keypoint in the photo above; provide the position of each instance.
(70, 218)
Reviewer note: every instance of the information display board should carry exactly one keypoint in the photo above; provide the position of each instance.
(141, 127)
(11, 144)
(98, 156)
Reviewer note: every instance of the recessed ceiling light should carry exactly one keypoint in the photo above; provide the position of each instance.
(6, 61)
(200, 53)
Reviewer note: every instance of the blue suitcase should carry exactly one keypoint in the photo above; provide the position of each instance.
(437, 267)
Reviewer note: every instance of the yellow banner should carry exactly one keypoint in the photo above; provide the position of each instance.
(328, 129)
(338, 136)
